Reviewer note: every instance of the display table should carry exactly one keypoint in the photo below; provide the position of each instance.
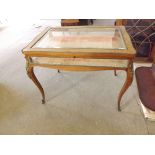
(81, 48)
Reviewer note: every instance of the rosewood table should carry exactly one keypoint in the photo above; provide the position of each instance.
(81, 48)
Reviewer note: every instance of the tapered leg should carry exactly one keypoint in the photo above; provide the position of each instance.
(58, 71)
(115, 73)
(129, 79)
(32, 76)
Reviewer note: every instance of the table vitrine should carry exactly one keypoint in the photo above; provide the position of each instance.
(81, 48)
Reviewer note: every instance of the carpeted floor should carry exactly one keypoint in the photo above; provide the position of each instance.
(77, 103)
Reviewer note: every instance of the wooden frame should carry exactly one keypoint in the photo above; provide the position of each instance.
(129, 52)
(85, 54)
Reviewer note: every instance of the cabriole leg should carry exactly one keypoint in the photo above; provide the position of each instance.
(115, 73)
(32, 76)
(129, 79)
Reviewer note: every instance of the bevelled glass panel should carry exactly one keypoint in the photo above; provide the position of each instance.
(102, 38)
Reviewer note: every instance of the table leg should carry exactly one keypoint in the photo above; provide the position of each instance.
(32, 76)
(129, 79)
(115, 73)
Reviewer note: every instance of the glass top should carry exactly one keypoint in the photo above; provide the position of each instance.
(102, 38)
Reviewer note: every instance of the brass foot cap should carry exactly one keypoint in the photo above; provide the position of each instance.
(43, 101)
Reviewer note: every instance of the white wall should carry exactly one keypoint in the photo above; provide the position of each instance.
(27, 11)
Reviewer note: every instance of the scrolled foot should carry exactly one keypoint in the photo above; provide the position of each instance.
(43, 101)
(119, 109)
